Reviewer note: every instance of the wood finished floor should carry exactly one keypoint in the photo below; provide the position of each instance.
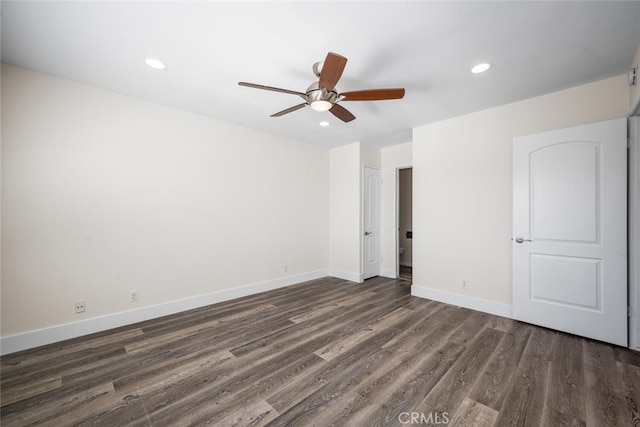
(406, 273)
(326, 352)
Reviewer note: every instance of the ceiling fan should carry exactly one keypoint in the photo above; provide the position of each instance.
(323, 95)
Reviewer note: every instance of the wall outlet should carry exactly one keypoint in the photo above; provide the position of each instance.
(465, 283)
(285, 268)
(80, 306)
(133, 296)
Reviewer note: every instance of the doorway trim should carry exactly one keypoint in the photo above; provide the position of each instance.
(633, 203)
(396, 222)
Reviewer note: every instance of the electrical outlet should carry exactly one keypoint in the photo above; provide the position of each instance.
(465, 283)
(80, 306)
(133, 296)
(285, 268)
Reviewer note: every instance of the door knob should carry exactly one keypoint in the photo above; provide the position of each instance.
(366, 233)
(520, 240)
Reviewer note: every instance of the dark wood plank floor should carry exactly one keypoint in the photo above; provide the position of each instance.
(405, 272)
(325, 352)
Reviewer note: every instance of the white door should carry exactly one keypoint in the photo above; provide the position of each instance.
(570, 230)
(634, 233)
(371, 222)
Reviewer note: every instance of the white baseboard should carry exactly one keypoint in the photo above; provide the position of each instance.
(346, 275)
(57, 333)
(479, 304)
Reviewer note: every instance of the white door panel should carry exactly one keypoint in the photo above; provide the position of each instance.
(571, 281)
(564, 192)
(569, 265)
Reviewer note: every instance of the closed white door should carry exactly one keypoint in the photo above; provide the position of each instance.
(371, 222)
(570, 230)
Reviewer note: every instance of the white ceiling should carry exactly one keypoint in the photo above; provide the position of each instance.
(426, 47)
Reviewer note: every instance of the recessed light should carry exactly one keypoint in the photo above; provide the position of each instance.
(481, 68)
(156, 64)
(324, 124)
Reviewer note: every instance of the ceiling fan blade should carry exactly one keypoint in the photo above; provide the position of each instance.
(373, 95)
(342, 113)
(289, 110)
(332, 69)
(274, 89)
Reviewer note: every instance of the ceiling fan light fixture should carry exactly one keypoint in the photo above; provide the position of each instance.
(320, 99)
(321, 105)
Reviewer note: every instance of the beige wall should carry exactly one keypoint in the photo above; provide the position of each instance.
(103, 194)
(369, 155)
(462, 185)
(391, 158)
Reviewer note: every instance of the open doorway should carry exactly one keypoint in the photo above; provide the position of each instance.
(404, 227)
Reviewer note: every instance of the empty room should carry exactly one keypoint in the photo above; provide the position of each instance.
(337, 213)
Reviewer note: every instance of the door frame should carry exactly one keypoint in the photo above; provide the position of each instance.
(633, 168)
(396, 233)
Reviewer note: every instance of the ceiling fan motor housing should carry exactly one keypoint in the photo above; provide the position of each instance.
(315, 93)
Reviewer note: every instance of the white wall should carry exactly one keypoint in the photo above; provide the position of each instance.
(462, 189)
(103, 194)
(391, 158)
